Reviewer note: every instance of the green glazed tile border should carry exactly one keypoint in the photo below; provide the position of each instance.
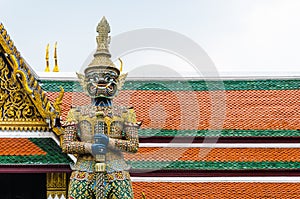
(219, 133)
(187, 85)
(54, 86)
(201, 165)
(54, 154)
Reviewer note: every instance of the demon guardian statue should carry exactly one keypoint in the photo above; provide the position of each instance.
(99, 133)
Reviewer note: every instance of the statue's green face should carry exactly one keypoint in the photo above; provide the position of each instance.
(102, 83)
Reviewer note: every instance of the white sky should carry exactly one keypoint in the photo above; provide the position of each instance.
(238, 35)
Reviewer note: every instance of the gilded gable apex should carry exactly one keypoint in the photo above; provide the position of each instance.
(23, 103)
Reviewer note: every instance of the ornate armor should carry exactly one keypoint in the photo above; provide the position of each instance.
(118, 123)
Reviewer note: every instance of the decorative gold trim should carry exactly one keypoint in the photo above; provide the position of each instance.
(56, 184)
(26, 125)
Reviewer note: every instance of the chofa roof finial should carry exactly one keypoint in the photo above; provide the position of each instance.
(47, 69)
(55, 69)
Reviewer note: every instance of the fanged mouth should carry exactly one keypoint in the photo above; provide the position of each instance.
(104, 86)
(99, 85)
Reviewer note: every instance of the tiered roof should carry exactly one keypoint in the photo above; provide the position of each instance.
(29, 139)
(256, 138)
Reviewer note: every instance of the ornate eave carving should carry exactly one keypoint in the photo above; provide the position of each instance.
(23, 103)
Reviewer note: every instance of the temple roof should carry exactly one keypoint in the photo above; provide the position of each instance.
(25, 114)
(262, 111)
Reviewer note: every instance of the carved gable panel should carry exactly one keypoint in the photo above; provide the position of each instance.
(17, 111)
(14, 101)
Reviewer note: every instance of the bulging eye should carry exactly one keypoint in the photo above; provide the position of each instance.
(113, 74)
(96, 78)
(107, 77)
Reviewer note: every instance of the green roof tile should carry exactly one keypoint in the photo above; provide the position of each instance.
(185, 85)
(219, 133)
(54, 154)
(203, 165)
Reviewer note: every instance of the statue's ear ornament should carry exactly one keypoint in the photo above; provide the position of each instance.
(121, 64)
(121, 81)
(122, 77)
(82, 81)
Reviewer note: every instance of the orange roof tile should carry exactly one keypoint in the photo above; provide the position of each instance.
(222, 190)
(245, 109)
(216, 154)
(19, 147)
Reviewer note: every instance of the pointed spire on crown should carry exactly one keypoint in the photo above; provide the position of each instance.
(102, 55)
(103, 39)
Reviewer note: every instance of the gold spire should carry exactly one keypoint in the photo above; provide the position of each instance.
(47, 69)
(102, 55)
(55, 69)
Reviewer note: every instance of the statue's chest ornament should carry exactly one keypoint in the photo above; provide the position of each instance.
(104, 120)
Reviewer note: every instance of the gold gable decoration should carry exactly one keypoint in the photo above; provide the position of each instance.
(23, 103)
(17, 112)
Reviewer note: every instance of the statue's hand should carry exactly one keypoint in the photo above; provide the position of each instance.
(101, 142)
(98, 149)
(101, 139)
